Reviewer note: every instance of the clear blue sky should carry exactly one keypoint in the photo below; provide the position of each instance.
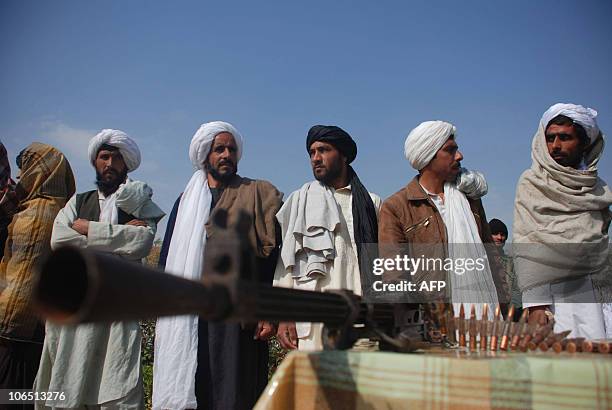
(157, 70)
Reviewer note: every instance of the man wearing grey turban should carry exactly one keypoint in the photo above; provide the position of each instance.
(200, 364)
(561, 221)
(98, 365)
(441, 208)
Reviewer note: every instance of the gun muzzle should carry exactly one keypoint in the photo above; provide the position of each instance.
(76, 286)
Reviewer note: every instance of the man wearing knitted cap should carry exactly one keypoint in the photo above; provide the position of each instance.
(200, 364)
(561, 221)
(441, 208)
(98, 365)
(499, 233)
(324, 225)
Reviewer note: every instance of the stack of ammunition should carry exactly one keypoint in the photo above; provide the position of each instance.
(505, 334)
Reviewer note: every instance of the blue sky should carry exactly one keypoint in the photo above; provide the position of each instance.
(157, 70)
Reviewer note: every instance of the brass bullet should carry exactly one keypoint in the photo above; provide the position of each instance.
(462, 341)
(450, 323)
(529, 334)
(495, 330)
(484, 327)
(569, 345)
(595, 346)
(540, 335)
(553, 338)
(506, 331)
(521, 329)
(473, 328)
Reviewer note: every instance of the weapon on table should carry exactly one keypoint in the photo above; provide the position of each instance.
(76, 286)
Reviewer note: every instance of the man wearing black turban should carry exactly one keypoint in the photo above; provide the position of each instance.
(331, 151)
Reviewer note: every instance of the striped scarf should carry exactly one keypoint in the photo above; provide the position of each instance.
(45, 185)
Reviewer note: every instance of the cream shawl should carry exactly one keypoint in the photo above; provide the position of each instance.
(556, 209)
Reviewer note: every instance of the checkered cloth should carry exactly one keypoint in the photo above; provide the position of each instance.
(378, 380)
(45, 186)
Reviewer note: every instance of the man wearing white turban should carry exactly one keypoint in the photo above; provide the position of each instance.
(439, 213)
(200, 364)
(98, 365)
(561, 221)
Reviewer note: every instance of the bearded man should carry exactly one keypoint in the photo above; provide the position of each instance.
(440, 212)
(326, 226)
(201, 364)
(561, 221)
(97, 365)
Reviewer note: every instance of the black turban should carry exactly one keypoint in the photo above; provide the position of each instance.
(335, 136)
(498, 226)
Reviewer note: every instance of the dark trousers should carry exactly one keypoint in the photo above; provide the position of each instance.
(18, 367)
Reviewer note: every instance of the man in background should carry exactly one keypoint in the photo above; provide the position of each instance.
(499, 232)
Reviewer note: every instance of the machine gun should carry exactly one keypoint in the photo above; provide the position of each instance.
(76, 286)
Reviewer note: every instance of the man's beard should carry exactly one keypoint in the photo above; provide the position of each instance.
(110, 185)
(331, 175)
(224, 178)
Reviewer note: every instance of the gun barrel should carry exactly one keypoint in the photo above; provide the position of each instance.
(76, 286)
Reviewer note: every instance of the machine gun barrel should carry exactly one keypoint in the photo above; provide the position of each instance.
(76, 286)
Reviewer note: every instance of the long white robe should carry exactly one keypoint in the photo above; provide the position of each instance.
(95, 363)
(343, 272)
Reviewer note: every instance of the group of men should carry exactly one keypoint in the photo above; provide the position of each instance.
(320, 238)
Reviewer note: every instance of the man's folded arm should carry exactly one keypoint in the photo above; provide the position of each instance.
(63, 234)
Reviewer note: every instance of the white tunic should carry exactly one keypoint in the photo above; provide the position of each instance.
(94, 363)
(344, 272)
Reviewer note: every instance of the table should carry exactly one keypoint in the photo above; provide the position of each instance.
(442, 380)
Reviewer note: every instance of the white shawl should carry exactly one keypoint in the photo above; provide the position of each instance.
(308, 220)
(472, 286)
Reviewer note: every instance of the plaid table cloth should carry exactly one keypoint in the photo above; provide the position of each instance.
(444, 380)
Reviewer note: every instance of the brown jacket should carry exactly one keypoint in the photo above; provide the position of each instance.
(261, 201)
(410, 219)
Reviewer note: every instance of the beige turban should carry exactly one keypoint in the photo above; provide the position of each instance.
(425, 140)
(120, 140)
(582, 115)
(204, 137)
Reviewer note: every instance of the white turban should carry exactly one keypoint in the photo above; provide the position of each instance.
(204, 137)
(120, 140)
(582, 115)
(425, 140)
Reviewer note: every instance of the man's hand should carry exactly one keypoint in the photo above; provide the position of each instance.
(539, 315)
(287, 335)
(81, 226)
(264, 331)
(137, 222)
